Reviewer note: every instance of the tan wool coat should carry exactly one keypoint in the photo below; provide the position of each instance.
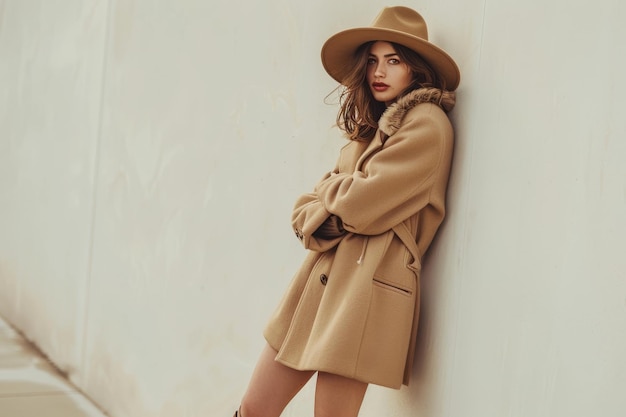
(352, 308)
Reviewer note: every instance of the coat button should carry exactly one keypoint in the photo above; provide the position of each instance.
(323, 279)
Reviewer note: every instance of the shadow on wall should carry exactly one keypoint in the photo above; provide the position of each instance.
(31, 386)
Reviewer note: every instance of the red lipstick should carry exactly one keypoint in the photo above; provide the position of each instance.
(379, 86)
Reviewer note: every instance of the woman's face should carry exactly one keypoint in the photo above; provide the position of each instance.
(387, 76)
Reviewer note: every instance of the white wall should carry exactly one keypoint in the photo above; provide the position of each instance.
(150, 153)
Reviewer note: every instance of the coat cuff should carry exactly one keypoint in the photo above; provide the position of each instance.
(308, 215)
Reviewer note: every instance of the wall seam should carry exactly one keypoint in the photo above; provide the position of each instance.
(94, 197)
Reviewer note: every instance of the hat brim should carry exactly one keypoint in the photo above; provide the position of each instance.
(339, 48)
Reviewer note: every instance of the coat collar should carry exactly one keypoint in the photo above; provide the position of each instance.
(391, 120)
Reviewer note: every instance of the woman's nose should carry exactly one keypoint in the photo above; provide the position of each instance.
(380, 71)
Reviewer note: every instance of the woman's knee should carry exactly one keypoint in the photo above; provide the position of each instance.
(252, 407)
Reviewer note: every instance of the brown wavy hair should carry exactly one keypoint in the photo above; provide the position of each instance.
(359, 112)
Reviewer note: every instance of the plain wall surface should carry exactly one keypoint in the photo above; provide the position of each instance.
(151, 152)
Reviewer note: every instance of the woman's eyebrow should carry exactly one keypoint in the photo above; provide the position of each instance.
(385, 56)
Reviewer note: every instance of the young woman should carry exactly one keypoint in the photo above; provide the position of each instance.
(351, 312)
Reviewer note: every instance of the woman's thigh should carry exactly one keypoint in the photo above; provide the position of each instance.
(338, 396)
(271, 386)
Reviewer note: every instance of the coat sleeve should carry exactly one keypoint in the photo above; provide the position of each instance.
(308, 215)
(396, 181)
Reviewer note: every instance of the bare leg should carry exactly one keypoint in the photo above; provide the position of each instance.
(338, 396)
(271, 387)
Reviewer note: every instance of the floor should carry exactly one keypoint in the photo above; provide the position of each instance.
(31, 387)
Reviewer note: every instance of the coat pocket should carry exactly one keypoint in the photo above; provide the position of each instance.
(387, 332)
(392, 286)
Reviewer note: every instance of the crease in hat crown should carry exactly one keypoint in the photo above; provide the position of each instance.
(398, 24)
(402, 19)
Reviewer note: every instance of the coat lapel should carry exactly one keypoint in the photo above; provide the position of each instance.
(374, 145)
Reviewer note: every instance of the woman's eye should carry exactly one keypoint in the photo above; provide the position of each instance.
(394, 61)
(371, 61)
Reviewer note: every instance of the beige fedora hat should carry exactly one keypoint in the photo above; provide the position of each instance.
(400, 25)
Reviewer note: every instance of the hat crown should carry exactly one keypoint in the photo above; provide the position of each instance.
(402, 19)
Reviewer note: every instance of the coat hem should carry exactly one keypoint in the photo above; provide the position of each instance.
(330, 371)
(355, 377)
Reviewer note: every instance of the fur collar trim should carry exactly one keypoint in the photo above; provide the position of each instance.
(391, 120)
